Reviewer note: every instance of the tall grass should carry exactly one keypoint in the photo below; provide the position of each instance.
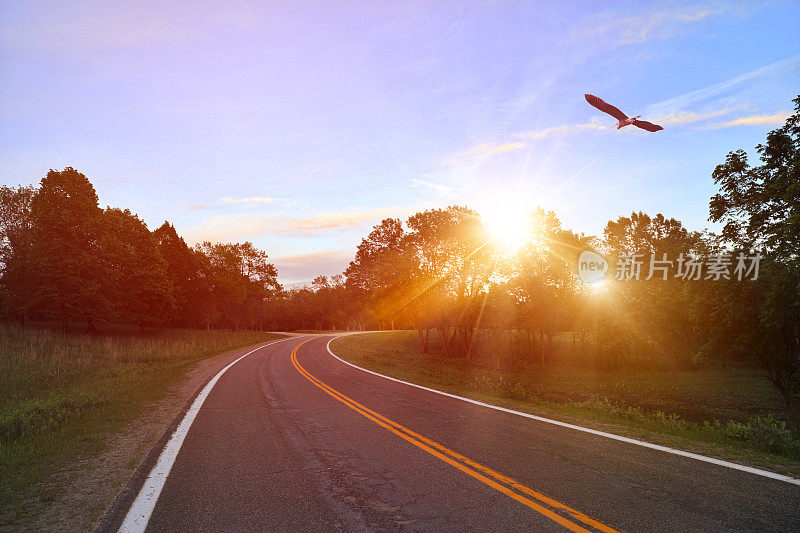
(36, 361)
(60, 395)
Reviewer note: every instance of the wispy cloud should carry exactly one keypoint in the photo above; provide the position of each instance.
(241, 227)
(468, 171)
(687, 100)
(755, 120)
(329, 222)
(690, 117)
(440, 190)
(517, 141)
(487, 149)
(483, 151)
(197, 207)
(251, 200)
(660, 24)
(564, 129)
(225, 228)
(304, 267)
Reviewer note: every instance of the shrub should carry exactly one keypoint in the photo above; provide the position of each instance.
(771, 433)
(737, 430)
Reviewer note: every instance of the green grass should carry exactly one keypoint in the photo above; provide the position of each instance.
(725, 413)
(61, 396)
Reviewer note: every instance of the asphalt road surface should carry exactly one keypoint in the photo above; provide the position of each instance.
(291, 439)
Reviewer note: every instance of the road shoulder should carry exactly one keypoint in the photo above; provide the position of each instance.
(89, 485)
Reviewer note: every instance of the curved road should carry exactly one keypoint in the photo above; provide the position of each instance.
(291, 439)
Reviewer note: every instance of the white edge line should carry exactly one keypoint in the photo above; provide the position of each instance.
(142, 507)
(720, 462)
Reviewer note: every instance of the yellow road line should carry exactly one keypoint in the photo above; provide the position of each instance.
(453, 458)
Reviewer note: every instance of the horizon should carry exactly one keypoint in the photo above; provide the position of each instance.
(300, 128)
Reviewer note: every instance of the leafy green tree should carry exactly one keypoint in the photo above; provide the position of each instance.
(226, 282)
(379, 275)
(331, 307)
(136, 274)
(239, 279)
(15, 242)
(453, 266)
(658, 313)
(184, 272)
(65, 263)
(759, 207)
(642, 234)
(544, 281)
(261, 279)
(341, 308)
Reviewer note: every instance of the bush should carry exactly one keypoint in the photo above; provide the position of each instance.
(737, 430)
(771, 433)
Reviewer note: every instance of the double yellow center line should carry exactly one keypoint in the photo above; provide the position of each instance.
(556, 511)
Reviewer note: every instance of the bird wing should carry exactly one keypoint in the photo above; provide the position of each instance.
(649, 126)
(605, 107)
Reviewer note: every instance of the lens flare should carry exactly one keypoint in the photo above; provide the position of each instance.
(508, 226)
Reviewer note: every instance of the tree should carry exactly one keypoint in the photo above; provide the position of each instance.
(544, 281)
(759, 207)
(453, 265)
(239, 278)
(15, 242)
(261, 279)
(223, 274)
(184, 272)
(62, 257)
(136, 274)
(659, 312)
(379, 275)
(65, 264)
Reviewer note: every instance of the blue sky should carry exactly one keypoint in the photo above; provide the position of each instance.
(299, 125)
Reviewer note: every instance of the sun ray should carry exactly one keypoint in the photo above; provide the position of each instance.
(508, 225)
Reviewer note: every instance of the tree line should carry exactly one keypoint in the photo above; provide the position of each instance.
(441, 273)
(64, 258)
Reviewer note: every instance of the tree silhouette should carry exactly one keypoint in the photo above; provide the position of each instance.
(66, 263)
(136, 277)
(183, 270)
(15, 242)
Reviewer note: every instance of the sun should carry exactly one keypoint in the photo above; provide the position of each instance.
(508, 226)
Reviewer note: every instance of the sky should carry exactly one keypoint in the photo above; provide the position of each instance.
(300, 125)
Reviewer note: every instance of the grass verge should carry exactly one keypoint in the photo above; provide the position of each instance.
(723, 414)
(62, 396)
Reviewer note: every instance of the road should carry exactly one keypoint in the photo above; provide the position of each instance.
(291, 439)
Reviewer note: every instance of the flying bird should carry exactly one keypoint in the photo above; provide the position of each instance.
(623, 119)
